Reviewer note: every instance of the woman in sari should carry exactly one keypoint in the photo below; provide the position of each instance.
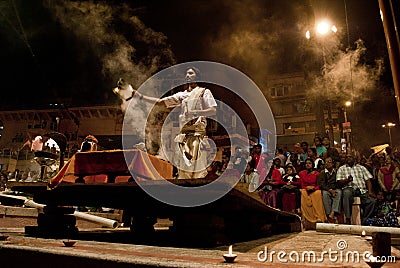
(312, 207)
(388, 179)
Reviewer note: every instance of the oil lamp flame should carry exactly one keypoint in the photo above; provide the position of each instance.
(230, 257)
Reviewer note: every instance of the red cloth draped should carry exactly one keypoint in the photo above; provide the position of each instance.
(97, 166)
(388, 176)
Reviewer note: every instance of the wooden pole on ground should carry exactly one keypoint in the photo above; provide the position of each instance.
(355, 229)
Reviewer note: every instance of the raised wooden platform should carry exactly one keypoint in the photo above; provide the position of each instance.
(239, 215)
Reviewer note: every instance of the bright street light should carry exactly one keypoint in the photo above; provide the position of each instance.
(389, 125)
(347, 103)
(325, 26)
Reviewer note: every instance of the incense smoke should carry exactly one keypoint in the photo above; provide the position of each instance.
(347, 77)
(123, 44)
(263, 37)
(134, 56)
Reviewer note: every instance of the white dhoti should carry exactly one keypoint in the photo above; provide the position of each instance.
(191, 145)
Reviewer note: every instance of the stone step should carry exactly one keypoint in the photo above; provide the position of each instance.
(9, 211)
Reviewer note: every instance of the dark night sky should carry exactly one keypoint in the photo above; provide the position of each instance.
(73, 52)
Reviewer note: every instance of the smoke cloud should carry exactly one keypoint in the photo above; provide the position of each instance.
(134, 56)
(268, 37)
(347, 76)
(125, 46)
(263, 37)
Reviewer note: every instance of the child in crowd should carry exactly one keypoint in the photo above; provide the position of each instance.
(251, 176)
(291, 184)
(385, 215)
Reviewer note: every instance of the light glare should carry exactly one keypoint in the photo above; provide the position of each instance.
(323, 28)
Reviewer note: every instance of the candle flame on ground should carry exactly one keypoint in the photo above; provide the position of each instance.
(230, 250)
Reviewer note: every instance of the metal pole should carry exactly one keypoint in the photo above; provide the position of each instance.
(389, 26)
(320, 116)
(331, 136)
(347, 133)
(348, 142)
(330, 123)
(390, 137)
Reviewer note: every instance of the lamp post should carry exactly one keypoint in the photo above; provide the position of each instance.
(389, 125)
(347, 104)
(322, 29)
(57, 123)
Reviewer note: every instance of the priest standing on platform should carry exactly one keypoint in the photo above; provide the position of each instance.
(196, 104)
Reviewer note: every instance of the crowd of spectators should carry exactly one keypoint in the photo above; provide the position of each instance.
(320, 183)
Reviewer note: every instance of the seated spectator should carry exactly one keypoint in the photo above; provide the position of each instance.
(355, 180)
(280, 154)
(290, 184)
(312, 207)
(319, 147)
(388, 178)
(240, 159)
(276, 171)
(251, 176)
(212, 171)
(225, 160)
(294, 160)
(303, 152)
(384, 215)
(233, 172)
(272, 183)
(319, 164)
(332, 152)
(312, 153)
(331, 194)
(218, 167)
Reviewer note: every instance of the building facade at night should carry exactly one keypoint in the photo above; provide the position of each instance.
(295, 110)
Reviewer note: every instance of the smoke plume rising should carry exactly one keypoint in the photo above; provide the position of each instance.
(263, 37)
(347, 76)
(125, 46)
(103, 28)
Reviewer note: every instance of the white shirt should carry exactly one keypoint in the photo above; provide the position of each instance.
(253, 178)
(181, 98)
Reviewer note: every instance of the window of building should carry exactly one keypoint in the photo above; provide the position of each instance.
(287, 125)
(285, 90)
(279, 92)
(273, 91)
